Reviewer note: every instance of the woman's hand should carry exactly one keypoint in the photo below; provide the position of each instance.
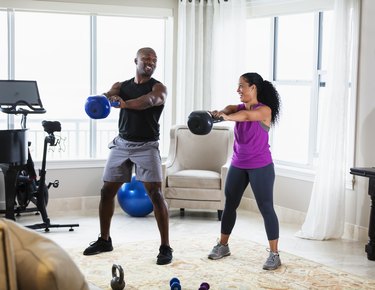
(215, 114)
(219, 115)
(223, 116)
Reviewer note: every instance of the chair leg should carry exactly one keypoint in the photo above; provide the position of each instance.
(219, 214)
(182, 212)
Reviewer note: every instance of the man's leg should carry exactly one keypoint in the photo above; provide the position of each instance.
(107, 207)
(106, 210)
(160, 210)
(162, 219)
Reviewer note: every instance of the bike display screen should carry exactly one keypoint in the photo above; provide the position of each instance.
(19, 92)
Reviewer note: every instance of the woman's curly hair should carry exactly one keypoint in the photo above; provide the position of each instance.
(267, 94)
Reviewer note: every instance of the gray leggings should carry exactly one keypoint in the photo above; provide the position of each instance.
(261, 181)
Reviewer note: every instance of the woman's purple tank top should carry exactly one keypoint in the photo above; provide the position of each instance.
(251, 148)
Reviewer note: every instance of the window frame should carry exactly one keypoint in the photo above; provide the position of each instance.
(272, 9)
(164, 12)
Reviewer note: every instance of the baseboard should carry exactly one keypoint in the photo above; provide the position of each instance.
(287, 215)
(73, 204)
(355, 232)
(57, 205)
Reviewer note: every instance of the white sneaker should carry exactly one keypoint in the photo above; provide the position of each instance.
(219, 251)
(273, 261)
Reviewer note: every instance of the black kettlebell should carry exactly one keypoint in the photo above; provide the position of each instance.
(201, 122)
(117, 282)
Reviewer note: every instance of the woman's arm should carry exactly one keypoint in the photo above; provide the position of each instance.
(227, 111)
(262, 113)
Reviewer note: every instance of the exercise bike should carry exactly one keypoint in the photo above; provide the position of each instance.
(22, 185)
(30, 189)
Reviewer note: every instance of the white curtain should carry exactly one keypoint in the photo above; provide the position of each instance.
(208, 52)
(228, 52)
(326, 213)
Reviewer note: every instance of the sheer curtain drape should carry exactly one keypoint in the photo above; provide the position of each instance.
(326, 213)
(208, 53)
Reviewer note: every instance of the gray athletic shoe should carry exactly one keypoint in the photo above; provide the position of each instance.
(273, 262)
(219, 251)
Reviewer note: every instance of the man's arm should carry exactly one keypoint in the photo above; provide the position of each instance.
(114, 92)
(156, 97)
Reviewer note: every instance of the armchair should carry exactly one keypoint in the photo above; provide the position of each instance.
(31, 261)
(196, 168)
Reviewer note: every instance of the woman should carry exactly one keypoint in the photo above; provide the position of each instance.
(251, 161)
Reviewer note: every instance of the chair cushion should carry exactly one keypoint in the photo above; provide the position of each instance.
(203, 152)
(41, 263)
(204, 179)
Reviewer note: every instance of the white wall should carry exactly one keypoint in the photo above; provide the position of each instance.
(292, 196)
(359, 207)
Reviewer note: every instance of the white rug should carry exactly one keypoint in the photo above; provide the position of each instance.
(242, 270)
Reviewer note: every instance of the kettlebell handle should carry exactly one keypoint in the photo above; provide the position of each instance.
(216, 120)
(117, 282)
(118, 268)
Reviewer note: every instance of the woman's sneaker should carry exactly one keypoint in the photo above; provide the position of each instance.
(219, 251)
(273, 261)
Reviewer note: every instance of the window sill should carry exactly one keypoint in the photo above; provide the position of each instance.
(305, 174)
(72, 164)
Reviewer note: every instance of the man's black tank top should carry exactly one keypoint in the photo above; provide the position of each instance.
(139, 125)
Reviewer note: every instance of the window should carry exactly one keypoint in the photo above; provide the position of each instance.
(72, 56)
(293, 74)
(53, 49)
(260, 30)
(117, 44)
(291, 52)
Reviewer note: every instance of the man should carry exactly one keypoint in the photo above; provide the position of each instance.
(141, 102)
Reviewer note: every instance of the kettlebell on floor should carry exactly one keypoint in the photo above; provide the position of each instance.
(117, 282)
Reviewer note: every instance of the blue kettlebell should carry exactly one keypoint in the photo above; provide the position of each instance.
(99, 107)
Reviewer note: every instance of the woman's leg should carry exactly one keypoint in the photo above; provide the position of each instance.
(235, 186)
(262, 182)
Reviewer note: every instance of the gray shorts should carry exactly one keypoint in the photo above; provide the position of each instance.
(125, 154)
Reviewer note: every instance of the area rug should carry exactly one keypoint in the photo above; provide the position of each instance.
(241, 270)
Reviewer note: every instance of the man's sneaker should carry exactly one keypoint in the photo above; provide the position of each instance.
(219, 251)
(165, 255)
(99, 246)
(273, 261)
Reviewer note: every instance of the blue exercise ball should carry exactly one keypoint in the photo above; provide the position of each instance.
(133, 199)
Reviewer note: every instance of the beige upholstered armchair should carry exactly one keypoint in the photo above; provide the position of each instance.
(31, 261)
(196, 168)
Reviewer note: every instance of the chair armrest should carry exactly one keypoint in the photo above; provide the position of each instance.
(8, 278)
(168, 167)
(224, 173)
(171, 164)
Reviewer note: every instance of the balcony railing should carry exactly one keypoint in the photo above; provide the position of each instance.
(76, 140)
